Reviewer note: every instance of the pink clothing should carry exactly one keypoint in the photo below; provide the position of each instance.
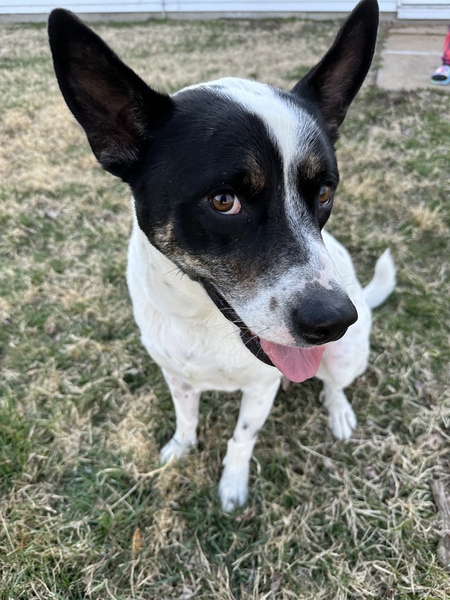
(446, 51)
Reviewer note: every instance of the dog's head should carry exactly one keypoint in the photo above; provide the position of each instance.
(232, 179)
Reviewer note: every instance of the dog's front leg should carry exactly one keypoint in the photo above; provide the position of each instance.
(257, 400)
(341, 363)
(186, 402)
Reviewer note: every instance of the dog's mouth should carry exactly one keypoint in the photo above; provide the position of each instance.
(295, 363)
(249, 339)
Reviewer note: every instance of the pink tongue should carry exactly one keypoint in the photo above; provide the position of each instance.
(297, 364)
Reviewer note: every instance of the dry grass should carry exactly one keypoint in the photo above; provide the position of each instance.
(85, 510)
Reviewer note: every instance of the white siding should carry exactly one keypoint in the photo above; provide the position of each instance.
(270, 6)
(30, 7)
(407, 9)
(174, 6)
(418, 9)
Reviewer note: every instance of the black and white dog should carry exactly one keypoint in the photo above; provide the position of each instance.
(232, 279)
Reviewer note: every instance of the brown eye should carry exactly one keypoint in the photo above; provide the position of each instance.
(325, 194)
(226, 203)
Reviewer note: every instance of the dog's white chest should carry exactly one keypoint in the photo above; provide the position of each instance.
(181, 347)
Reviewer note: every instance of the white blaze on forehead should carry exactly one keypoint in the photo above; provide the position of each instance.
(291, 128)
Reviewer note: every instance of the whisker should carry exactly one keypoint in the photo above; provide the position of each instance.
(174, 270)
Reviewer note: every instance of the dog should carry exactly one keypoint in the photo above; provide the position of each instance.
(232, 278)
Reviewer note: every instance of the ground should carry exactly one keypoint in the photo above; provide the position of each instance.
(85, 509)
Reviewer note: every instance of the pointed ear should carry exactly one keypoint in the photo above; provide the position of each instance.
(117, 110)
(335, 81)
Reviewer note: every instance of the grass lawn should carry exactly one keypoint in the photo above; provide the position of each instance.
(85, 509)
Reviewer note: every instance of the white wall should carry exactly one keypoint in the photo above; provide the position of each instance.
(174, 6)
(407, 9)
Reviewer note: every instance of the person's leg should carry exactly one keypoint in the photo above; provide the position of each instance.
(442, 74)
(446, 50)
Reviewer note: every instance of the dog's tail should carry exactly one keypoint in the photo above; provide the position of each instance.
(383, 282)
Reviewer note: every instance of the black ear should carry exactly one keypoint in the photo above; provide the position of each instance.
(335, 81)
(117, 110)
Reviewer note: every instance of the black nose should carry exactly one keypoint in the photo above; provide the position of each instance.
(323, 317)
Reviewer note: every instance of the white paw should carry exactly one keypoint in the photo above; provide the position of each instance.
(342, 423)
(175, 449)
(341, 418)
(233, 488)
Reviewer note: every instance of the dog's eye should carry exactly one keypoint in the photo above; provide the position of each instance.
(226, 203)
(325, 194)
